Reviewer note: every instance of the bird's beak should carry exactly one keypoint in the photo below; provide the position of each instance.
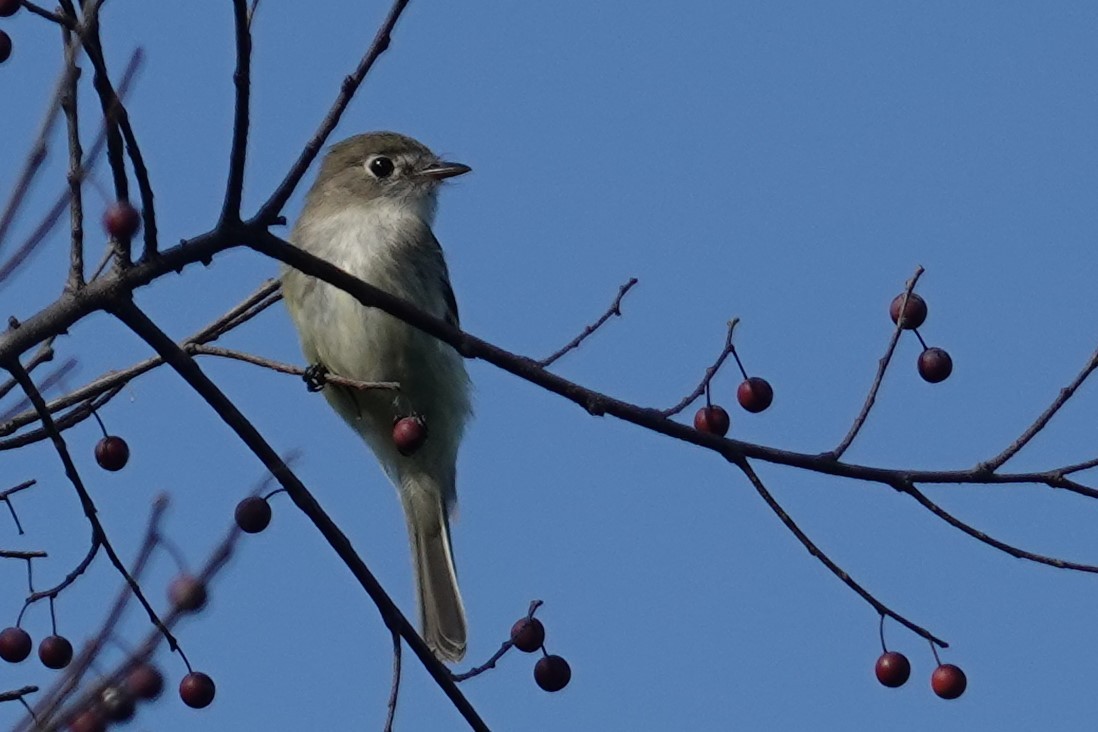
(441, 170)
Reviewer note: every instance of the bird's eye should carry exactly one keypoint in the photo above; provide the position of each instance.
(381, 166)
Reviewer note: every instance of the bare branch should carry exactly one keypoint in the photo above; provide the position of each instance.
(835, 569)
(270, 210)
(710, 372)
(882, 367)
(615, 309)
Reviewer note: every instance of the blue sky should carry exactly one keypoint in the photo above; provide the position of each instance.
(789, 164)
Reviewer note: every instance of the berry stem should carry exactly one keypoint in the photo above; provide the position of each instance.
(881, 630)
(937, 661)
(732, 350)
(100, 421)
(53, 617)
(921, 341)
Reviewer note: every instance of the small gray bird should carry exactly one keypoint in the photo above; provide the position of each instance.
(370, 213)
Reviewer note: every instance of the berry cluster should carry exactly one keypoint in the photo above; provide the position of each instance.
(754, 394)
(551, 673)
(893, 670)
(935, 363)
(117, 702)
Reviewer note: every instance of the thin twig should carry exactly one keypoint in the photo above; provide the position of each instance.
(1039, 424)
(835, 569)
(270, 210)
(1002, 546)
(53, 215)
(76, 163)
(285, 368)
(99, 535)
(504, 647)
(882, 367)
(394, 691)
(242, 84)
(710, 372)
(614, 309)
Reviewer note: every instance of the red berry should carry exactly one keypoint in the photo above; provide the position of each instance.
(253, 514)
(755, 394)
(935, 365)
(5, 46)
(409, 434)
(914, 313)
(118, 703)
(145, 682)
(187, 593)
(893, 669)
(552, 673)
(55, 651)
(15, 644)
(121, 220)
(89, 720)
(712, 419)
(197, 690)
(528, 634)
(948, 681)
(112, 453)
(8, 8)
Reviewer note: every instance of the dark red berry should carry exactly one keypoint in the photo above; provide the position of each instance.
(145, 682)
(755, 394)
(8, 8)
(15, 644)
(121, 220)
(197, 690)
(935, 365)
(118, 704)
(948, 681)
(112, 453)
(253, 514)
(914, 313)
(409, 433)
(712, 419)
(552, 673)
(187, 593)
(55, 651)
(5, 46)
(89, 720)
(893, 669)
(528, 634)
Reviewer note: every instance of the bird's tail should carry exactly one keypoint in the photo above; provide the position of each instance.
(441, 613)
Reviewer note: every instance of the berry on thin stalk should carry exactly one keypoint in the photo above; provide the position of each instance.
(187, 593)
(121, 220)
(528, 635)
(197, 690)
(893, 669)
(755, 394)
(112, 453)
(8, 8)
(15, 644)
(935, 365)
(253, 514)
(552, 673)
(914, 313)
(712, 419)
(55, 652)
(5, 46)
(948, 681)
(409, 434)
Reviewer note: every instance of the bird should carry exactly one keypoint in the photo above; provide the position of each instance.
(370, 212)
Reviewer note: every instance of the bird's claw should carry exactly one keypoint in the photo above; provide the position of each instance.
(315, 377)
